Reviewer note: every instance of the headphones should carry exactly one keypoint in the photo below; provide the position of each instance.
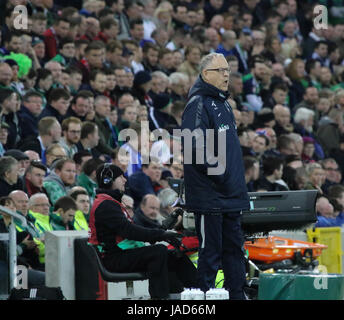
(106, 174)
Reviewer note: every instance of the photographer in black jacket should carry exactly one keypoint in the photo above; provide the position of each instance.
(122, 241)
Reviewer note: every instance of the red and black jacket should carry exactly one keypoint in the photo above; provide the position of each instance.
(110, 223)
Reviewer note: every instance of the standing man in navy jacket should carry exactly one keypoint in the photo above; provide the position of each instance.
(215, 190)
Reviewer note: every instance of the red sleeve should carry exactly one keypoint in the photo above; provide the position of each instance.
(50, 46)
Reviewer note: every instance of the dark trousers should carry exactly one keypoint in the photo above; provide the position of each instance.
(166, 272)
(221, 245)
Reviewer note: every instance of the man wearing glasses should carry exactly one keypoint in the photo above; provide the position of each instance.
(217, 197)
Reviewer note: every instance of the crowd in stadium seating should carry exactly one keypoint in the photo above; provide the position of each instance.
(75, 78)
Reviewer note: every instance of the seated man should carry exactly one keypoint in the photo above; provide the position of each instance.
(148, 214)
(33, 178)
(82, 200)
(145, 181)
(113, 230)
(60, 179)
(326, 217)
(64, 213)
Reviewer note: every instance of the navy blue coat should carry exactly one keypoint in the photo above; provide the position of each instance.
(207, 108)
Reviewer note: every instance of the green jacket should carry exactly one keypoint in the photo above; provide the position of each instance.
(54, 187)
(58, 225)
(85, 181)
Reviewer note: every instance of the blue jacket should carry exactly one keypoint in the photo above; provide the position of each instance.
(207, 108)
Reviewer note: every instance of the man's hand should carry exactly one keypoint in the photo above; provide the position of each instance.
(173, 238)
(30, 244)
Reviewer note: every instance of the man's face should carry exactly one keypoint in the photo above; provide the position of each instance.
(194, 56)
(62, 29)
(34, 104)
(56, 132)
(68, 50)
(280, 96)
(103, 108)
(81, 106)
(61, 105)
(14, 44)
(94, 58)
(125, 101)
(153, 171)
(41, 205)
(56, 71)
(151, 208)
(259, 145)
(119, 183)
(83, 203)
(217, 4)
(283, 117)
(12, 174)
(331, 170)
(72, 135)
(219, 76)
(121, 77)
(67, 216)
(312, 96)
(75, 80)
(130, 114)
(21, 201)
(152, 57)
(167, 60)
(237, 86)
(137, 32)
(99, 83)
(94, 138)
(39, 26)
(36, 177)
(6, 74)
(67, 173)
(322, 50)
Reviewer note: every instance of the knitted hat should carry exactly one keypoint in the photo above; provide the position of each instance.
(142, 77)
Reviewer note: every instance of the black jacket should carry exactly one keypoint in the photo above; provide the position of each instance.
(109, 225)
(28, 123)
(141, 220)
(206, 191)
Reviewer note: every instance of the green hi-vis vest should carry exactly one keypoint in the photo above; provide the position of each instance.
(219, 277)
(80, 221)
(42, 222)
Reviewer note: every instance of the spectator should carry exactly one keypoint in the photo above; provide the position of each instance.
(21, 157)
(295, 71)
(150, 57)
(29, 113)
(316, 177)
(80, 105)
(286, 145)
(9, 176)
(252, 171)
(310, 99)
(87, 177)
(333, 173)
(178, 86)
(120, 158)
(80, 158)
(49, 132)
(71, 128)
(192, 60)
(325, 213)
(64, 214)
(148, 213)
(89, 138)
(60, 179)
(259, 145)
(128, 203)
(56, 71)
(145, 181)
(59, 100)
(82, 200)
(329, 133)
(272, 173)
(53, 36)
(33, 178)
(107, 136)
(308, 152)
(283, 120)
(66, 55)
(9, 115)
